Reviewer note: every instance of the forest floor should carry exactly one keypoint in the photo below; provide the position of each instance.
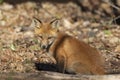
(96, 26)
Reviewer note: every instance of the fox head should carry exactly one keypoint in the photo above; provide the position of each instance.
(45, 32)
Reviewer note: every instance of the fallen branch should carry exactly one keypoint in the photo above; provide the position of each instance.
(44, 75)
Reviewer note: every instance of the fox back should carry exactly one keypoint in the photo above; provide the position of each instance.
(72, 55)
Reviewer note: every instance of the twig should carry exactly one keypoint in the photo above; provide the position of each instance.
(111, 4)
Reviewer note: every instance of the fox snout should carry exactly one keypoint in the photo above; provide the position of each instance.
(43, 46)
(45, 43)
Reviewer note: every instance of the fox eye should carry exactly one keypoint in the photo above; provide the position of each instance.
(40, 37)
(50, 37)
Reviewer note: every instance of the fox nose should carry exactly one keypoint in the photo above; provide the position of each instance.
(43, 46)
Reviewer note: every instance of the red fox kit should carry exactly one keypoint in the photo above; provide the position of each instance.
(71, 55)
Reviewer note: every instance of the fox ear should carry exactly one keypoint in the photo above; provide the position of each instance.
(36, 23)
(55, 23)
